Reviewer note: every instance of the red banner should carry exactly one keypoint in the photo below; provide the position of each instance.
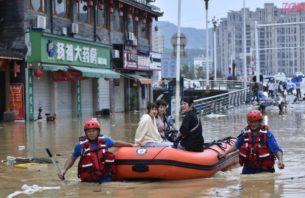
(16, 100)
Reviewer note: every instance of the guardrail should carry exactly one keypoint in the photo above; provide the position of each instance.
(222, 102)
(225, 84)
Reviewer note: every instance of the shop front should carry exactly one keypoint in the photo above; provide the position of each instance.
(11, 86)
(64, 75)
(137, 82)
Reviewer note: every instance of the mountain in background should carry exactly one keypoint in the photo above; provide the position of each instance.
(195, 37)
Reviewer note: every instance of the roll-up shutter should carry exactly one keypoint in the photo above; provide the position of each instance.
(64, 100)
(41, 89)
(104, 94)
(87, 98)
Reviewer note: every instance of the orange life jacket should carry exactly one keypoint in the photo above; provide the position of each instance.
(95, 164)
(255, 153)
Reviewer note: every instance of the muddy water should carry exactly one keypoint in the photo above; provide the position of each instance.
(60, 137)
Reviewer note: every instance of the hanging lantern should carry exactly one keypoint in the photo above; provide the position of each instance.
(136, 18)
(120, 5)
(38, 73)
(121, 13)
(129, 16)
(111, 10)
(144, 21)
(156, 28)
(16, 69)
(101, 5)
(66, 75)
(90, 3)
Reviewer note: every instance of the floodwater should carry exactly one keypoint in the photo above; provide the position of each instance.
(61, 135)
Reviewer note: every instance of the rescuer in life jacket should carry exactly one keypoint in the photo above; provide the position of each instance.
(257, 147)
(96, 163)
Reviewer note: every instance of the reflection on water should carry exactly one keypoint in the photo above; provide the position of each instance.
(61, 135)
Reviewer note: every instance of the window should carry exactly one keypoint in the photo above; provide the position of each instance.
(116, 19)
(101, 19)
(135, 28)
(143, 30)
(60, 8)
(83, 12)
(130, 26)
(38, 5)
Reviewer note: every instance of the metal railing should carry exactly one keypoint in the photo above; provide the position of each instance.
(214, 84)
(222, 102)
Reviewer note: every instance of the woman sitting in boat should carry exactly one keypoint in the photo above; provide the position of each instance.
(190, 133)
(147, 133)
(165, 127)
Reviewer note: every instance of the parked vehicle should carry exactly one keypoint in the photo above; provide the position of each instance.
(299, 74)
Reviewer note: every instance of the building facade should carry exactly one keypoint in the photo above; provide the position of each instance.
(281, 48)
(75, 58)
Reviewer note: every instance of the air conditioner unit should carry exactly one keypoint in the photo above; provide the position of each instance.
(135, 42)
(130, 36)
(115, 53)
(64, 31)
(40, 22)
(74, 28)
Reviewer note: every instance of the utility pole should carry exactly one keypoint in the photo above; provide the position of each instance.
(177, 100)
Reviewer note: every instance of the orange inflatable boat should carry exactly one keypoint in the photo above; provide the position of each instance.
(165, 163)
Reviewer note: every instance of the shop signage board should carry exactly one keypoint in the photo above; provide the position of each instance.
(130, 60)
(16, 100)
(60, 50)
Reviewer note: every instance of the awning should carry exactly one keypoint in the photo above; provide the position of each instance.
(10, 58)
(142, 79)
(47, 67)
(97, 72)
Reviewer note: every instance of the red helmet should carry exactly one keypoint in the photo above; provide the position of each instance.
(254, 115)
(92, 123)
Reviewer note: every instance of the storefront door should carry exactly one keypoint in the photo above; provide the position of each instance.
(64, 100)
(87, 98)
(2, 94)
(42, 97)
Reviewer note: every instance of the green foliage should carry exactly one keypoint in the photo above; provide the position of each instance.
(199, 74)
(185, 71)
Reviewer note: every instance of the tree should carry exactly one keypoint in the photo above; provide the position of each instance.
(200, 73)
(185, 72)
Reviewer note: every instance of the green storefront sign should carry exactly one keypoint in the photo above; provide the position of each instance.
(60, 50)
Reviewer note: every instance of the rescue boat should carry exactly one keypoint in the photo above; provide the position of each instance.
(166, 163)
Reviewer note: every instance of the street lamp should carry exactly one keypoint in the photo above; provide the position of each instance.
(214, 22)
(177, 99)
(207, 43)
(244, 46)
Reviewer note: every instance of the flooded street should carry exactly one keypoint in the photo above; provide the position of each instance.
(60, 136)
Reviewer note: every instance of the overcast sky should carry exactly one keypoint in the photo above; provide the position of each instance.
(193, 11)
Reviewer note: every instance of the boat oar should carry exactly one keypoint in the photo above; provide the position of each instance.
(53, 161)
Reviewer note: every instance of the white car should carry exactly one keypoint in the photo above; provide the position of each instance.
(299, 74)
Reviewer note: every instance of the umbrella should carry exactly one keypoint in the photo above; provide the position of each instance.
(296, 79)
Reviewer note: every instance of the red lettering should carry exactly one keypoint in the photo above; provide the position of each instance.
(285, 7)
